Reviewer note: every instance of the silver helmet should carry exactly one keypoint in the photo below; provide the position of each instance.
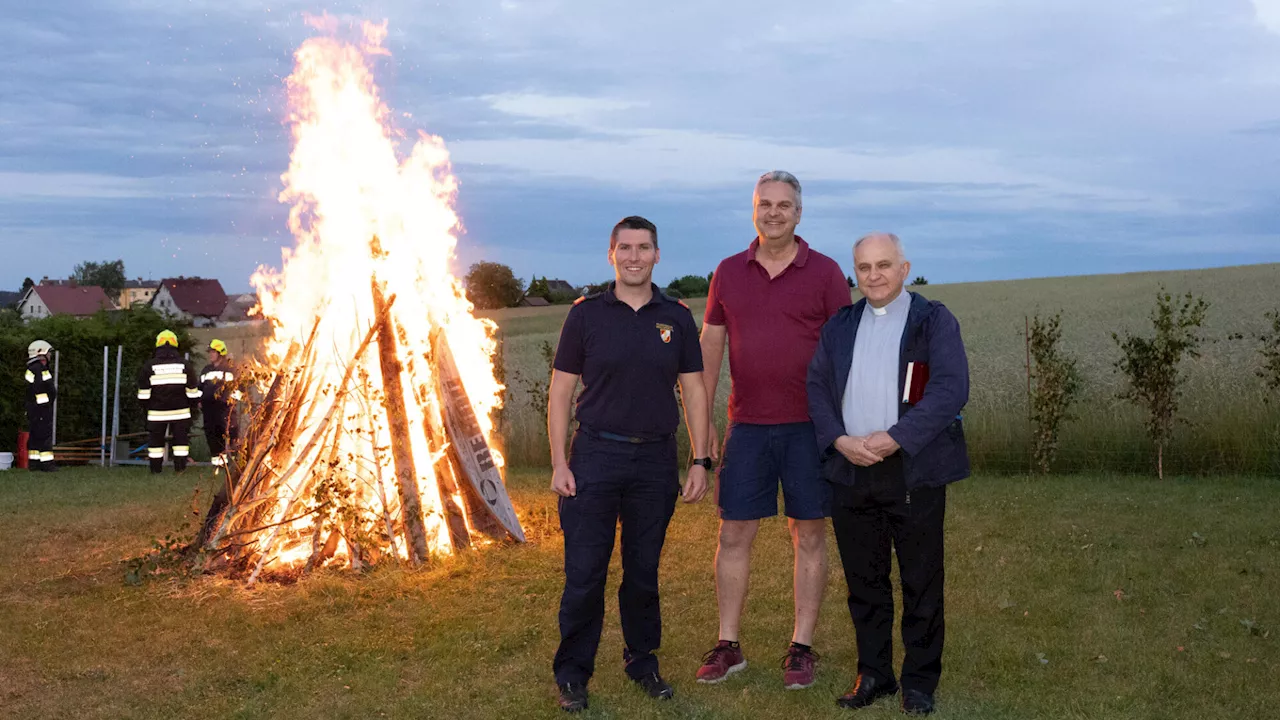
(39, 347)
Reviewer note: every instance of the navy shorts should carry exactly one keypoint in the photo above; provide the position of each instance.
(756, 458)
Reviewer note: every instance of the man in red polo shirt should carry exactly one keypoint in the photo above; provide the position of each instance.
(769, 303)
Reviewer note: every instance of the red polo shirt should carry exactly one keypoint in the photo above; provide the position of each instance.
(773, 326)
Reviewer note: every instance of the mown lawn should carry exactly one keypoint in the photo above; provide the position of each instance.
(1068, 597)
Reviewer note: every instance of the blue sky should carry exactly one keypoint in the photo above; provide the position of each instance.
(998, 138)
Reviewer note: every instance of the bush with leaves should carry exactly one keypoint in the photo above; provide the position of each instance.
(690, 286)
(1151, 365)
(79, 345)
(1270, 351)
(1057, 386)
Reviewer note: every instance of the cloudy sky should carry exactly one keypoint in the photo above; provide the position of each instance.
(999, 138)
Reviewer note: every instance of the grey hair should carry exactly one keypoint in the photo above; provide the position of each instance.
(897, 243)
(781, 176)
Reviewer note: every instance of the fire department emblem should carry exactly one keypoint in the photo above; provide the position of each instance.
(664, 332)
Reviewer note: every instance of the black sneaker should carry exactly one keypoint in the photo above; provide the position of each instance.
(573, 697)
(654, 686)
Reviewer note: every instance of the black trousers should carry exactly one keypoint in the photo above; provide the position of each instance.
(218, 430)
(871, 517)
(40, 437)
(179, 432)
(636, 484)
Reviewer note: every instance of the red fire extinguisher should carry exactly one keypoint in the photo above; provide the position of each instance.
(21, 460)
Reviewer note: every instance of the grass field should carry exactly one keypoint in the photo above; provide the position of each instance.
(1085, 596)
(1229, 428)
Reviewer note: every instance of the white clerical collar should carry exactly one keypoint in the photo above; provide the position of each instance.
(879, 311)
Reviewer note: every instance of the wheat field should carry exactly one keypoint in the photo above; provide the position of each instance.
(1228, 428)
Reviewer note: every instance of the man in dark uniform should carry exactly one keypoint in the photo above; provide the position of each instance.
(41, 393)
(218, 395)
(629, 345)
(168, 390)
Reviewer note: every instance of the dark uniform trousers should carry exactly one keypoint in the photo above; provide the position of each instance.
(217, 427)
(868, 517)
(636, 483)
(179, 432)
(40, 437)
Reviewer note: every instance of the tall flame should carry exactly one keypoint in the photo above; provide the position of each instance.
(348, 185)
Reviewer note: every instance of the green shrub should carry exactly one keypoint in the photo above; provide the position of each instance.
(1151, 365)
(1270, 351)
(1057, 385)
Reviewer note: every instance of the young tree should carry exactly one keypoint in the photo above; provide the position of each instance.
(1270, 351)
(1057, 385)
(107, 275)
(538, 287)
(492, 285)
(1151, 364)
(920, 280)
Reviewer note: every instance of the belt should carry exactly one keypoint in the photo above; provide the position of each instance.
(633, 439)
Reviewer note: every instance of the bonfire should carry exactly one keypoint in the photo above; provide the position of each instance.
(370, 436)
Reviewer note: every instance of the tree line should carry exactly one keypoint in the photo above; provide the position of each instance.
(492, 285)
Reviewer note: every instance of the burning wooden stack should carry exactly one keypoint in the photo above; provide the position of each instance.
(311, 483)
(369, 438)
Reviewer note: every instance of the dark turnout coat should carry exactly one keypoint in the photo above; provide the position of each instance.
(930, 431)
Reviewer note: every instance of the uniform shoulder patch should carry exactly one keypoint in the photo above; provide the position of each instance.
(669, 298)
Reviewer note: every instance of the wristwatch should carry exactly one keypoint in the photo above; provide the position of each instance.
(704, 462)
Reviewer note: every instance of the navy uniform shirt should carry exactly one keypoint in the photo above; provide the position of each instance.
(629, 361)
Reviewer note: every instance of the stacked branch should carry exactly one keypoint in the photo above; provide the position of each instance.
(311, 477)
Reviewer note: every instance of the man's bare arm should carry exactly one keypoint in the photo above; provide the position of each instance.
(559, 395)
(713, 342)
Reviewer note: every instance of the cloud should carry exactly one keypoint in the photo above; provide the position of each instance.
(575, 111)
(1019, 132)
(1268, 13)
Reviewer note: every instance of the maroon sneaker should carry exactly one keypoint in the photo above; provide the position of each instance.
(720, 662)
(798, 667)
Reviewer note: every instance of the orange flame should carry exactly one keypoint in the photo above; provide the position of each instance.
(346, 184)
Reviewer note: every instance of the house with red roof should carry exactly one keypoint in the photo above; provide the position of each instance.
(195, 301)
(42, 301)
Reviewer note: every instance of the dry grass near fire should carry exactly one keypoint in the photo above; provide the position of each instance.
(1068, 597)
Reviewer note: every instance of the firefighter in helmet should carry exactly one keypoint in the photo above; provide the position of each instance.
(41, 393)
(219, 393)
(168, 390)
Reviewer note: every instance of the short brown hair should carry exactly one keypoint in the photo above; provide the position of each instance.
(633, 222)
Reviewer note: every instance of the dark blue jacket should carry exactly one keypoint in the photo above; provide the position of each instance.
(930, 432)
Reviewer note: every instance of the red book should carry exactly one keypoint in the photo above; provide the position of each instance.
(913, 387)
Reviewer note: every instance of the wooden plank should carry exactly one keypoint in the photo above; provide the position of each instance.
(474, 457)
(398, 424)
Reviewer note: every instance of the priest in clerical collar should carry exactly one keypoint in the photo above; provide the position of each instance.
(886, 387)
